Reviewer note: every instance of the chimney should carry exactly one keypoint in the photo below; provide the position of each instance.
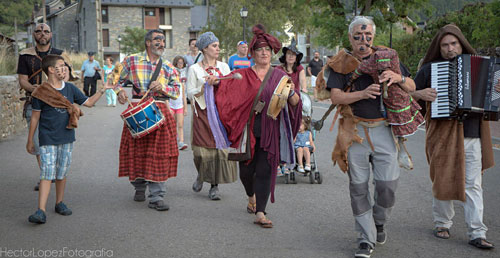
(37, 8)
(67, 2)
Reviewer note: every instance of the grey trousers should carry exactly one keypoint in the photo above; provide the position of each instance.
(443, 211)
(157, 190)
(383, 162)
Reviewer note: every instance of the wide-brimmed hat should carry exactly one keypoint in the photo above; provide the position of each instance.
(293, 48)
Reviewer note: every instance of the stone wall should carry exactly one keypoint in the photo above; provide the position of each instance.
(11, 108)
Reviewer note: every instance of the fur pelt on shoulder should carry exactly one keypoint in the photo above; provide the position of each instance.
(343, 63)
(46, 93)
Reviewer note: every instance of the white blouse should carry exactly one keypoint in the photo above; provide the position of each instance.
(196, 80)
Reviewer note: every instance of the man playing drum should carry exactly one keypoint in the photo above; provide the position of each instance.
(152, 159)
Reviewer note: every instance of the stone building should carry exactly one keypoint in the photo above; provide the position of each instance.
(171, 16)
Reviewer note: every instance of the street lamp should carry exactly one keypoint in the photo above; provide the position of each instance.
(244, 14)
(119, 52)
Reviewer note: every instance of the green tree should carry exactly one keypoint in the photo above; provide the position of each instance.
(478, 22)
(227, 24)
(11, 10)
(133, 40)
(331, 17)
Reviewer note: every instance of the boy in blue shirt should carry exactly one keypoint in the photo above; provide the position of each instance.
(56, 140)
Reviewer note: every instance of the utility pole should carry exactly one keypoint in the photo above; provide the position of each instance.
(44, 11)
(100, 51)
(16, 50)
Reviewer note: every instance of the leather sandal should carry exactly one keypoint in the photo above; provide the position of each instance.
(264, 223)
(439, 230)
(478, 242)
(251, 208)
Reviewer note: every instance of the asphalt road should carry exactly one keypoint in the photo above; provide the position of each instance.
(310, 220)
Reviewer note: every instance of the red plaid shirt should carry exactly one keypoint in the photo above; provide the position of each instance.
(138, 69)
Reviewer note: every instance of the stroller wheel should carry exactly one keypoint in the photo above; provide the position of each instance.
(311, 177)
(292, 177)
(318, 177)
(287, 176)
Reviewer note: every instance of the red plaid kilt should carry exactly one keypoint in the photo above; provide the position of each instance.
(152, 157)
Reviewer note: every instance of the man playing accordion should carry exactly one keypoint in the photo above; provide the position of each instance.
(458, 151)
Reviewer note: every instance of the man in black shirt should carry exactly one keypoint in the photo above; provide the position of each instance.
(30, 73)
(456, 169)
(313, 69)
(378, 149)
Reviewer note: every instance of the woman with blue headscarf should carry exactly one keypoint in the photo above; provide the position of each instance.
(212, 163)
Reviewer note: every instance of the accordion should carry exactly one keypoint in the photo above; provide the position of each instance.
(466, 84)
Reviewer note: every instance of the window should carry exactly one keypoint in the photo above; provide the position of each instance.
(104, 14)
(105, 37)
(165, 16)
(149, 11)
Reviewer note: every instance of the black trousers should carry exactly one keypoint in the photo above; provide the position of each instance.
(89, 82)
(256, 177)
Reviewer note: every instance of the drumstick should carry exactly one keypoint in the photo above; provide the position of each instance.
(147, 92)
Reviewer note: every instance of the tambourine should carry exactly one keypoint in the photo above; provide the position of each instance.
(280, 97)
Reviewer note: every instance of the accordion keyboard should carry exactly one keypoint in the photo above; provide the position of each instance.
(441, 78)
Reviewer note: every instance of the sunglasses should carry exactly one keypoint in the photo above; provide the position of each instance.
(44, 31)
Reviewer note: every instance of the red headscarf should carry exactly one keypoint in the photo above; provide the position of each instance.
(262, 39)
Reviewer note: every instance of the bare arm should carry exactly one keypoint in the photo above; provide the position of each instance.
(311, 142)
(302, 80)
(339, 97)
(294, 100)
(35, 117)
(25, 84)
(92, 100)
(392, 77)
(309, 71)
(427, 94)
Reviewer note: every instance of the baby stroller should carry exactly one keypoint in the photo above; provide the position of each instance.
(314, 174)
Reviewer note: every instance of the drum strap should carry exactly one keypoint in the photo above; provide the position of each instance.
(153, 78)
(262, 85)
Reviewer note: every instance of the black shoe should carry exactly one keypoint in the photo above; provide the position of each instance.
(381, 235)
(37, 186)
(159, 205)
(364, 251)
(140, 196)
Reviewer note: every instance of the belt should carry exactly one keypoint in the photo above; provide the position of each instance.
(371, 123)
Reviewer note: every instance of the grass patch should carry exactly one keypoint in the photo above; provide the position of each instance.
(77, 59)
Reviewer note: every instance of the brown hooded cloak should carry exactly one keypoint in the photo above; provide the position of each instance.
(444, 142)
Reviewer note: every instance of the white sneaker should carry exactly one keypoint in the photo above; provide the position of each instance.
(307, 167)
(301, 169)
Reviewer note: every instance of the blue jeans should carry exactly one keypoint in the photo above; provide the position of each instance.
(111, 97)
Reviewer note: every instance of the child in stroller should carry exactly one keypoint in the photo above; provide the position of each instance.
(304, 146)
